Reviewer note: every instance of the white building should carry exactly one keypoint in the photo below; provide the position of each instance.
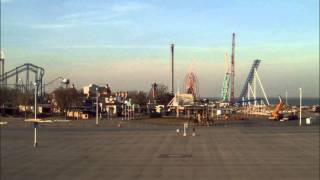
(90, 90)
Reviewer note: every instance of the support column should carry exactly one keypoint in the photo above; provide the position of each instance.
(17, 79)
(27, 79)
(255, 88)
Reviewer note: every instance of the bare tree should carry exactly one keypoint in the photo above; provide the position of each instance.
(4, 95)
(138, 97)
(66, 98)
(25, 99)
(163, 95)
(8, 96)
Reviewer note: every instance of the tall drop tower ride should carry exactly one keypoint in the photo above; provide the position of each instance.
(172, 68)
(232, 99)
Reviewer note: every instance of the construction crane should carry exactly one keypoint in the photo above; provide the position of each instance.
(275, 115)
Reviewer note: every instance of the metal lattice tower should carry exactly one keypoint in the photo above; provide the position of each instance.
(250, 78)
(225, 91)
(232, 99)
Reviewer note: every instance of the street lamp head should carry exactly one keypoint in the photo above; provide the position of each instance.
(35, 84)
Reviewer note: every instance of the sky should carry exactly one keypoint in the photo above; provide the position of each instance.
(127, 43)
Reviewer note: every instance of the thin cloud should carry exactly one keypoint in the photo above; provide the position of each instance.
(52, 26)
(104, 14)
(100, 16)
(151, 46)
(129, 7)
(80, 15)
(110, 46)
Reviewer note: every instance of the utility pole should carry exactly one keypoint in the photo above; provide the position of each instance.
(232, 100)
(172, 68)
(97, 105)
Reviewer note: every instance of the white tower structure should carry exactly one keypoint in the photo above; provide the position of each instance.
(1, 65)
(252, 87)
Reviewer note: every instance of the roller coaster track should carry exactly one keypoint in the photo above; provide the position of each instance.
(58, 79)
(249, 80)
(27, 69)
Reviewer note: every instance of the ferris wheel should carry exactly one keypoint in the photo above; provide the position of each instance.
(191, 84)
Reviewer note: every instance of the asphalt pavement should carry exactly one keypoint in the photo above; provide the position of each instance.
(146, 150)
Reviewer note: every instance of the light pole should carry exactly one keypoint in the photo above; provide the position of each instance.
(97, 105)
(286, 97)
(35, 124)
(300, 89)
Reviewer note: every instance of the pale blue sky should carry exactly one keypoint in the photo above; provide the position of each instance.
(126, 43)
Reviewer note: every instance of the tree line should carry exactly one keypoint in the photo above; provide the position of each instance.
(67, 98)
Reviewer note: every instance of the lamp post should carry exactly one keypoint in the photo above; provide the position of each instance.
(97, 105)
(286, 97)
(35, 124)
(300, 90)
